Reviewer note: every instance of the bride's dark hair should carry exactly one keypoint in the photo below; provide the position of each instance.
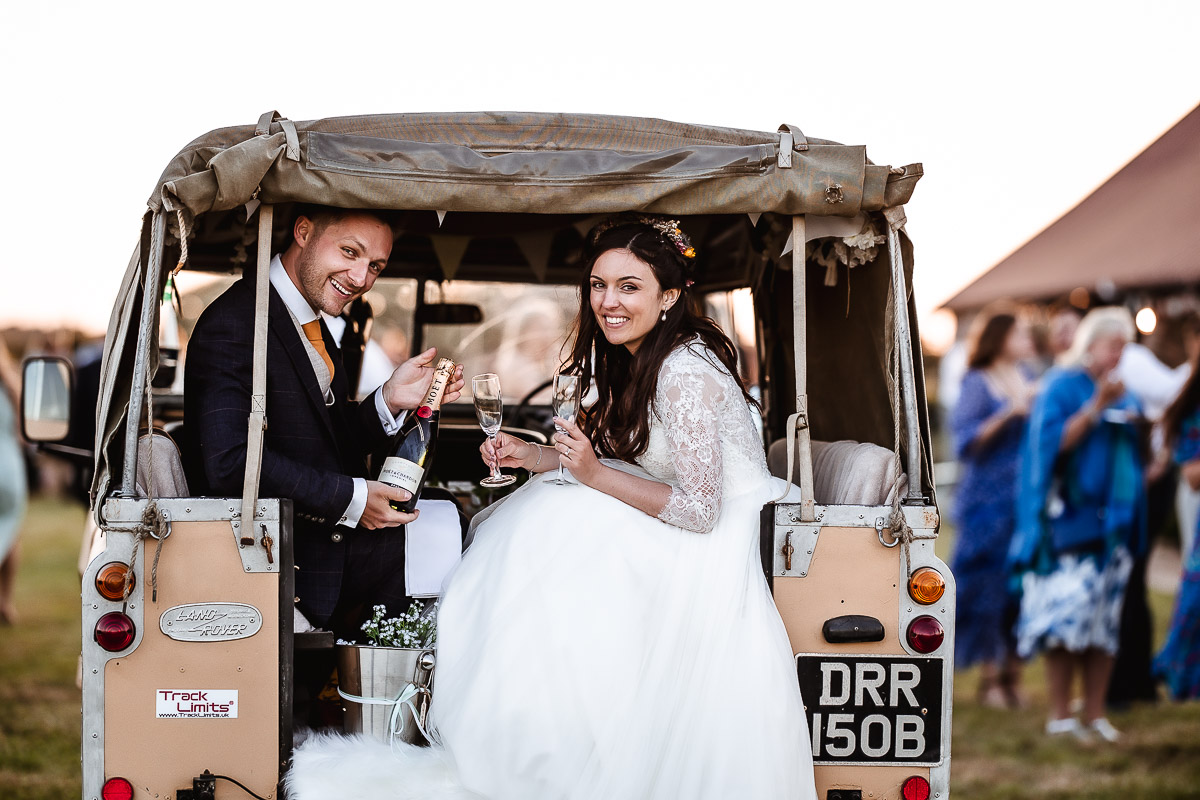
(619, 422)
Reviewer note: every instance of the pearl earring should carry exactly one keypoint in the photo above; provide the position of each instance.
(664, 315)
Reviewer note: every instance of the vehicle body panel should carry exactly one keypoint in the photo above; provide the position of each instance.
(521, 190)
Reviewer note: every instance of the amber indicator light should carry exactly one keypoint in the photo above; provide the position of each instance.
(926, 586)
(110, 580)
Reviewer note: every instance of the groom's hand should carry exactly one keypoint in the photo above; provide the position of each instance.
(379, 513)
(407, 386)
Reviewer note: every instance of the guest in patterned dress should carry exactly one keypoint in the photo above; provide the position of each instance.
(1178, 665)
(988, 424)
(1080, 521)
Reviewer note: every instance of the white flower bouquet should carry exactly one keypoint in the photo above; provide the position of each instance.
(415, 628)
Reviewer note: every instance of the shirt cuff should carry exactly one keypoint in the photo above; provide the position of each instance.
(390, 424)
(358, 504)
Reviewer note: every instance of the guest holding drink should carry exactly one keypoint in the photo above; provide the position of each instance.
(988, 424)
(1080, 521)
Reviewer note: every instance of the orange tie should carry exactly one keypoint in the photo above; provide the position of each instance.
(312, 330)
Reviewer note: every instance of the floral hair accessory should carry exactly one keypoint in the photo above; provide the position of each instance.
(670, 229)
(689, 283)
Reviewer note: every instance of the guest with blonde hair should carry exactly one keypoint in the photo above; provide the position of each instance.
(1080, 520)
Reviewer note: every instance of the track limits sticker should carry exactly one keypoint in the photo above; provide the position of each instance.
(196, 703)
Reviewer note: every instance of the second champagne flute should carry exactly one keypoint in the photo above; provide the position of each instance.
(566, 405)
(489, 408)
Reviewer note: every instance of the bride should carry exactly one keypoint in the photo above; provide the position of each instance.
(614, 638)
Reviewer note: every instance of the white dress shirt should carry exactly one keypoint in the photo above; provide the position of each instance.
(302, 313)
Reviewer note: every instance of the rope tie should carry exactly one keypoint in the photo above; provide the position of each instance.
(152, 523)
(901, 531)
(154, 526)
(896, 522)
(183, 241)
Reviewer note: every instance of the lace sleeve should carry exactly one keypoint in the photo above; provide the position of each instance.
(689, 401)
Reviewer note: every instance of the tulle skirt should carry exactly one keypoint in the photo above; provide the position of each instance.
(587, 650)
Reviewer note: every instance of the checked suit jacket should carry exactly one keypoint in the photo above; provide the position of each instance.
(311, 452)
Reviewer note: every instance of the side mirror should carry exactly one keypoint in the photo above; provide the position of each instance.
(46, 399)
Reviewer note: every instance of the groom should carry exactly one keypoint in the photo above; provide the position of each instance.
(348, 541)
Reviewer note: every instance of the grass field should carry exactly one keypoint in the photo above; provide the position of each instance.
(39, 728)
(996, 754)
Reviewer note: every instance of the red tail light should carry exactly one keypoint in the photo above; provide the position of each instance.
(117, 789)
(925, 634)
(114, 632)
(915, 788)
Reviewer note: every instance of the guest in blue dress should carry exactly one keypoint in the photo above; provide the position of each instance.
(1080, 521)
(988, 424)
(1178, 665)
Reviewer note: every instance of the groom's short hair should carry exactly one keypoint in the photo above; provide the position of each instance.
(324, 216)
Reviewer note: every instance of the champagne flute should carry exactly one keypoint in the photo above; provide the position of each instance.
(566, 405)
(489, 408)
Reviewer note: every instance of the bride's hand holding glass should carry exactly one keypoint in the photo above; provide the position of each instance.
(575, 451)
(512, 453)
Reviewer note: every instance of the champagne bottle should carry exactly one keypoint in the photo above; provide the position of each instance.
(411, 456)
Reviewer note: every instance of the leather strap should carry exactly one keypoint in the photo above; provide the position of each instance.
(257, 423)
(799, 436)
(799, 140)
(291, 140)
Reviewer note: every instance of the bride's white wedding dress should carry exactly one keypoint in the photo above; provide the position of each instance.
(587, 650)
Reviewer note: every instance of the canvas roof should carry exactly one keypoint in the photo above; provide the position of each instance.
(505, 176)
(528, 163)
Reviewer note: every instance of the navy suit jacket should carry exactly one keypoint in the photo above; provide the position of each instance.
(311, 452)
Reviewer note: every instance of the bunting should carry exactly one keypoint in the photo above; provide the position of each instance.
(449, 251)
(536, 249)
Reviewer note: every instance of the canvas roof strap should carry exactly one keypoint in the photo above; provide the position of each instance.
(799, 435)
(263, 128)
(790, 138)
(257, 422)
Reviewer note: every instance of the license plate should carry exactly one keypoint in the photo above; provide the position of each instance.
(873, 709)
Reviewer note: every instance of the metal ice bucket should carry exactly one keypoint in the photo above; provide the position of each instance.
(373, 679)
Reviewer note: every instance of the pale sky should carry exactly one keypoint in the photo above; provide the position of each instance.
(1016, 109)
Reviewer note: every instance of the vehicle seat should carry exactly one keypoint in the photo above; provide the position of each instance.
(846, 472)
(166, 466)
(169, 481)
